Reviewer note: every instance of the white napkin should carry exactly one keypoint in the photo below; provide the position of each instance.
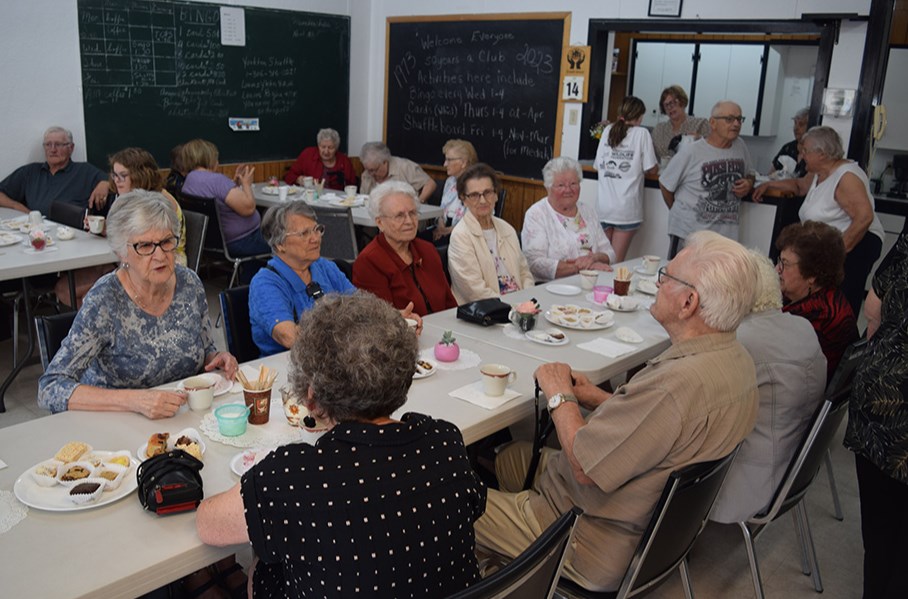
(473, 394)
(607, 347)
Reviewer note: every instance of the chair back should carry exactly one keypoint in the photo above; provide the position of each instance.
(677, 521)
(844, 372)
(443, 254)
(339, 240)
(52, 330)
(207, 206)
(345, 267)
(237, 326)
(534, 573)
(68, 214)
(196, 226)
(498, 210)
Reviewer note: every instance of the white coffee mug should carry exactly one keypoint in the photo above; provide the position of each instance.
(282, 192)
(96, 224)
(308, 182)
(200, 391)
(35, 218)
(496, 378)
(350, 190)
(588, 279)
(651, 264)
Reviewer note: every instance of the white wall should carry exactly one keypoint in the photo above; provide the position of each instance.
(40, 67)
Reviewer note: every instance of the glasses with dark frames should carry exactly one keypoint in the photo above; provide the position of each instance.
(663, 274)
(147, 248)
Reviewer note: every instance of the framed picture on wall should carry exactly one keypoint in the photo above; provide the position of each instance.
(665, 8)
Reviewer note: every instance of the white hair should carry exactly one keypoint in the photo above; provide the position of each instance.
(329, 135)
(382, 192)
(715, 111)
(58, 129)
(725, 278)
(558, 165)
(374, 152)
(138, 212)
(768, 295)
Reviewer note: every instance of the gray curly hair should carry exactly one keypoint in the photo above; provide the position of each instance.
(385, 190)
(274, 223)
(372, 357)
(557, 165)
(137, 212)
(328, 135)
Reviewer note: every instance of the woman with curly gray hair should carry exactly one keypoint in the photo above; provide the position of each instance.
(380, 504)
(140, 326)
(837, 193)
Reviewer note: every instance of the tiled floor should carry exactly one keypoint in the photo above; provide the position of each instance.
(718, 564)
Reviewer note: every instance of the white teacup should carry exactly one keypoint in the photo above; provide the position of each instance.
(651, 264)
(412, 324)
(200, 391)
(496, 378)
(35, 218)
(588, 279)
(96, 224)
(308, 182)
(350, 190)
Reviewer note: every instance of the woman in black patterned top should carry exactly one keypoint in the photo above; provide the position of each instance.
(878, 428)
(378, 507)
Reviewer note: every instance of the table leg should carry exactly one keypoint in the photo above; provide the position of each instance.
(28, 352)
(71, 277)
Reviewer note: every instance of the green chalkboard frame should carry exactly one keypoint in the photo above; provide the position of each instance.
(178, 82)
(424, 144)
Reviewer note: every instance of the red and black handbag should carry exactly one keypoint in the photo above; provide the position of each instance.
(170, 483)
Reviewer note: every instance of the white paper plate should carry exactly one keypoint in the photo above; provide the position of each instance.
(642, 271)
(274, 190)
(9, 239)
(595, 326)
(647, 286)
(221, 385)
(628, 335)
(344, 203)
(426, 373)
(56, 498)
(242, 462)
(558, 289)
(636, 304)
(545, 337)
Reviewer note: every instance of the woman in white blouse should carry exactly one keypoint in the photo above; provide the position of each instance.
(560, 236)
(459, 155)
(484, 256)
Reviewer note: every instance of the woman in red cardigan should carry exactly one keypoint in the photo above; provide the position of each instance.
(396, 266)
(323, 162)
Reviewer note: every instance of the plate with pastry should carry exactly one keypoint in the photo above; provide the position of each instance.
(188, 439)
(548, 337)
(9, 239)
(242, 462)
(274, 190)
(40, 486)
(424, 368)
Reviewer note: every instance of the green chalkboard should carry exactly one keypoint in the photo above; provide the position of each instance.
(156, 74)
(493, 80)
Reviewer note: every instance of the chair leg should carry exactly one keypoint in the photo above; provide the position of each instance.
(802, 544)
(685, 578)
(833, 488)
(811, 550)
(233, 277)
(752, 557)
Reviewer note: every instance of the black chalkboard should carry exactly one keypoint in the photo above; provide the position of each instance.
(155, 74)
(492, 80)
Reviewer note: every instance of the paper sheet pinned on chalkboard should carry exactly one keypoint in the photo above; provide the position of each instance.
(243, 123)
(233, 26)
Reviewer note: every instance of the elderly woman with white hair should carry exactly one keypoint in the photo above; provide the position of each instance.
(837, 193)
(396, 265)
(141, 326)
(323, 161)
(380, 166)
(560, 236)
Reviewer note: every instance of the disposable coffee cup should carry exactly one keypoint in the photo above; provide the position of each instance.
(259, 404)
(282, 192)
(651, 264)
(350, 190)
(601, 293)
(35, 218)
(200, 392)
(496, 378)
(96, 224)
(588, 279)
(622, 287)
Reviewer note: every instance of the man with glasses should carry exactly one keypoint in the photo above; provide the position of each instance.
(705, 181)
(693, 403)
(380, 166)
(37, 185)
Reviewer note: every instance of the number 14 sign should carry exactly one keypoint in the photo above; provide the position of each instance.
(576, 70)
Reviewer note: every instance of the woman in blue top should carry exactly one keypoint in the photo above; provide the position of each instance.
(295, 278)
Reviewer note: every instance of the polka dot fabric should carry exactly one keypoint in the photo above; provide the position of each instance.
(374, 511)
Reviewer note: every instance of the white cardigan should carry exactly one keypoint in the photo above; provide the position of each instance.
(546, 241)
(473, 274)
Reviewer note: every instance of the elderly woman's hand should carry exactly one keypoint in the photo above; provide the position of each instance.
(408, 313)
(158, 403)
(223, 360)
(592, 262)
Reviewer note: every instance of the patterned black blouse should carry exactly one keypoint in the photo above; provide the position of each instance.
(878, 412)
(832, 319)
(369, 511)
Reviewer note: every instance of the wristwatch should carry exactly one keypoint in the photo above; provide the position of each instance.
(560, 398)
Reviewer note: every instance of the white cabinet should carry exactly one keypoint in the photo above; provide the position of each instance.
(730, 72)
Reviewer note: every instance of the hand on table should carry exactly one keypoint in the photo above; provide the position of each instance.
(225, 361)
(159, 403)
(408, 313)
(554, 378)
